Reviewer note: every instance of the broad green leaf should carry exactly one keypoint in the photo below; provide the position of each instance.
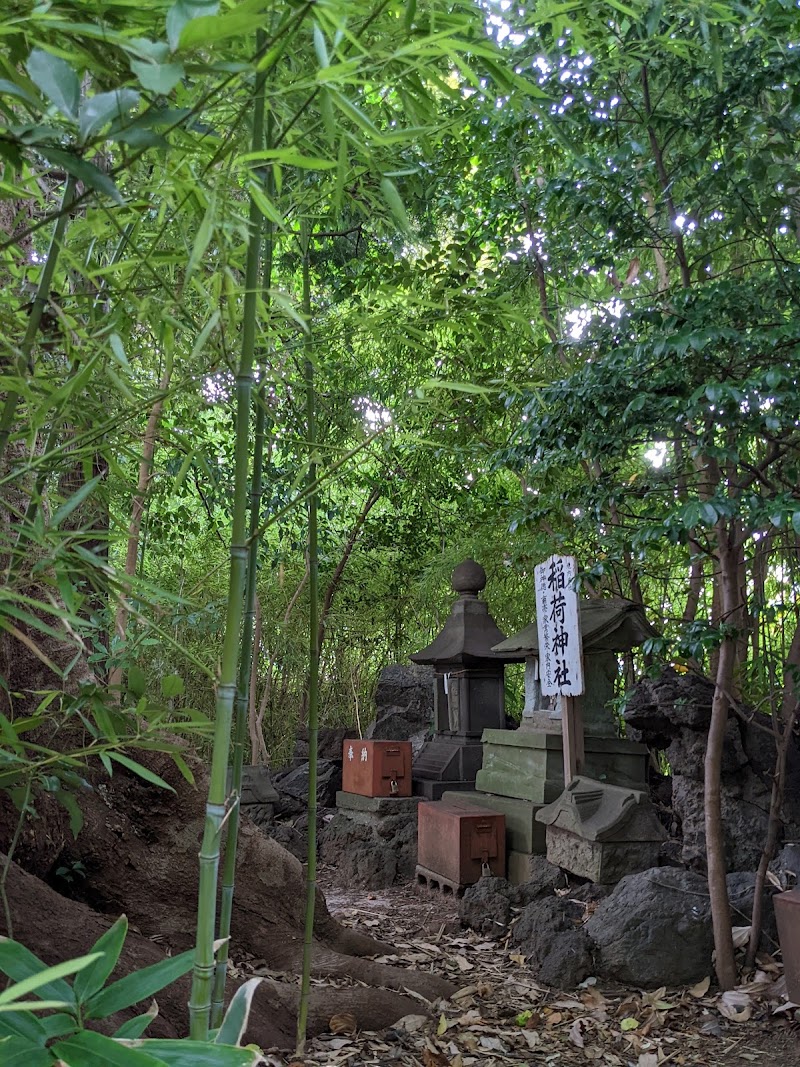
(157, 77)
(103, 108)
(89, 1049)
(136, 1027)
(238, 1012)
(182, 12)
(142, 772)
(241, 21)
(172, 686)
(8, 88)
(187, 1053)
(56, 80)
(139, 986)
(30, 974)
(796, 522)
(109, 944)
(85, 171)
(137, 681)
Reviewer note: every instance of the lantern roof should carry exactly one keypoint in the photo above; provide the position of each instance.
(470, 632)
(611, 624)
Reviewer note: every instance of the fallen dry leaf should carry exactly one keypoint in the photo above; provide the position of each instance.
(735, 1005)
(701, 988)
(345, 1023)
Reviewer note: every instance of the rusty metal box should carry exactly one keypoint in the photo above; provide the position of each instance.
(377, 768)
(460, 841)
(787, 915)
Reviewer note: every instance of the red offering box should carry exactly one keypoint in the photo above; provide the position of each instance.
(377, 768)
(457, 841)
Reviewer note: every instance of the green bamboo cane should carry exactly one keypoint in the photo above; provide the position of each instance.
(242, 702)
(37, 309)
(204, 965)
(313, 667)
(240, 731)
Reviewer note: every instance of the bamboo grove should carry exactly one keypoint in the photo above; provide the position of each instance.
(303, 302)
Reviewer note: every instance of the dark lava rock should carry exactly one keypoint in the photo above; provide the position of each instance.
(654, 929)
(558, 951)
(486, 906)
(294, 783)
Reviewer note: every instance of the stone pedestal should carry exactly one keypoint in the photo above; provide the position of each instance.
(372, 841)
(447, 763)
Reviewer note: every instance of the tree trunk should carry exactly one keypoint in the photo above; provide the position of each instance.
(715, 838)
(56, 928)
(138, 849)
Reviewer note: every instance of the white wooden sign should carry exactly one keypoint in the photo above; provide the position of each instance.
(560, 659)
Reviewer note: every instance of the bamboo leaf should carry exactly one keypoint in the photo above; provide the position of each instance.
(235, 1022)
(187, 1053)
(395, 202)
(109, 946)
(30, 974)
(75, 501)
(56, 80)
(68, 801)
(201, 240)
(89, 1049)
(136, 1027)
(138, 986)
(138, 769)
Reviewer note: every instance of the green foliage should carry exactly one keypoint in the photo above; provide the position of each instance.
(63, 1037)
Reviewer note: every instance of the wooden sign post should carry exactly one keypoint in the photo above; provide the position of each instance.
(561, 653)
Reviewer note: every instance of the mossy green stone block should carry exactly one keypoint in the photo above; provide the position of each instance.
(529, 764)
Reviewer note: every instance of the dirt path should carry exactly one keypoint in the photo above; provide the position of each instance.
(502, 1018)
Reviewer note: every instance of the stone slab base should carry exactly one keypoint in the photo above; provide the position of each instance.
(523, 833)
(377, 805)
(432, 880)
(524, 867)
(428, 789)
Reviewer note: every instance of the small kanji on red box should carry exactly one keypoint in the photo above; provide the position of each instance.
(460, 842)
(377, 768)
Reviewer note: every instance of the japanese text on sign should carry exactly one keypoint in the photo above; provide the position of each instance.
(560, 662)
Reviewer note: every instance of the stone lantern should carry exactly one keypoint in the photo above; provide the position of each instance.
(469, 694)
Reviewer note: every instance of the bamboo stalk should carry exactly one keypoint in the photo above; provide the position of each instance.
(313, 668)
(204, 965)
(242, 703)
(37, 309)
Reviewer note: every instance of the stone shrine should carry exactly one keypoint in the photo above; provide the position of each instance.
(523, 769)
(602, 832)
(469, 696)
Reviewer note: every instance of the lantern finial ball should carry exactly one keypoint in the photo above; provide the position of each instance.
(469, 577)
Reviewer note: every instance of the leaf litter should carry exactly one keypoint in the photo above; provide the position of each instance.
(501, 1017)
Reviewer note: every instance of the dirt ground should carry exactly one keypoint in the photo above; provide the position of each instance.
(502, 1017)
